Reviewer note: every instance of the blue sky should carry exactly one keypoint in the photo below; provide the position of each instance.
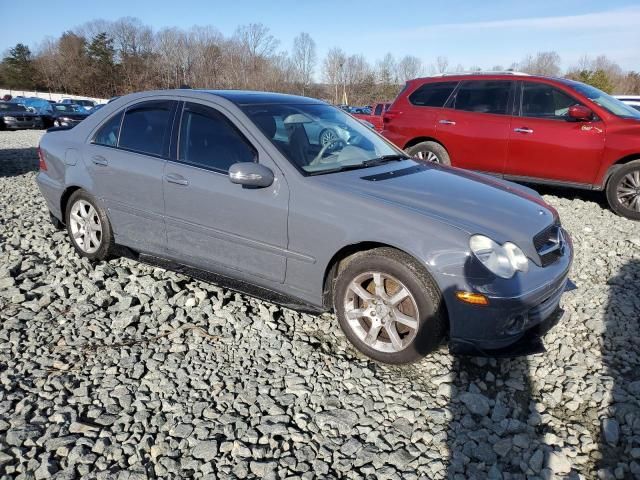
(467, 32)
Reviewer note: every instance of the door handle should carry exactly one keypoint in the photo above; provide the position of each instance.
(523, 130)
(99, 160)
(447, 122)
(177, 179)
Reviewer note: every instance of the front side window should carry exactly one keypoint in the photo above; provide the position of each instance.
(378, 109)
(146, 127)
(484, 96)
(609, 103)
(432, 94)
(107, 135)
(319, 138)
(540, 100)
(209, 140)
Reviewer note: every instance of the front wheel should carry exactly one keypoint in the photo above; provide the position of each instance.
(327, 137)
(429, 152)
(88, 226)
(623, 190)
(388, 306)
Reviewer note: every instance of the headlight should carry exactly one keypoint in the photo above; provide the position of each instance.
(502, 260)
(11, 119)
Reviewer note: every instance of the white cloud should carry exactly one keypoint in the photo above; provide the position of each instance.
(598, 21)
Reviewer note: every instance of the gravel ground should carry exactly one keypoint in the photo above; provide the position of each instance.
(123, 370)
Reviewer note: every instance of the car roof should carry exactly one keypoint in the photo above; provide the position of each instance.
(249, 97)
(456, 77)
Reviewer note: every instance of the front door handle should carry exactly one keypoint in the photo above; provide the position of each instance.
(523, 130)
(447, 122)
(99, 160)
(176, 178)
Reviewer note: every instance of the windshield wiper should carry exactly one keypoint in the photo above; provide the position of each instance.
(384, 159)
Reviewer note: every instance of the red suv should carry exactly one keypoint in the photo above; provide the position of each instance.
(524, 128)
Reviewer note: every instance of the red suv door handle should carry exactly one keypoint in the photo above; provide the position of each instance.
(447, 122)
(523, 130)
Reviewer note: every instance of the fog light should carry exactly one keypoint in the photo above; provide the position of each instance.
(515, 325)
(472, 298)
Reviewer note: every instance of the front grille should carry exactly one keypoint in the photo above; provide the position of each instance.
(549, 244)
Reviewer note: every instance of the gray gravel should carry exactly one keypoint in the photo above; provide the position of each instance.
(122, 370)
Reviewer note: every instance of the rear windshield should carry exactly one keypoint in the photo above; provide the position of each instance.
(609, 103)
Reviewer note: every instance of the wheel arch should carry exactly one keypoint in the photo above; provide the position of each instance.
(417, 140)
(339, 261)
(64, 200)
(615, 166)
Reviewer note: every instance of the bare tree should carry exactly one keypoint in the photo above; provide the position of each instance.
(442, 63)
(409, 67)
(304, 59)
(542, 63)
(332, 70)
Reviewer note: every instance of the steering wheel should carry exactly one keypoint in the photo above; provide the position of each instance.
(323, 150)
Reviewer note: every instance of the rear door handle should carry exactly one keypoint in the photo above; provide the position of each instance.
(523, 130)
(176, 178)
(99, 160)
(447, 122)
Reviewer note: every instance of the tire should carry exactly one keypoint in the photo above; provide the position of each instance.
(429, 152)
(327, 136)
(101, 243)
(623, 190)
(369, 324)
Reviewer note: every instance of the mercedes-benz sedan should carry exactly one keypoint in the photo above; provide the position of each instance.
(227, 184)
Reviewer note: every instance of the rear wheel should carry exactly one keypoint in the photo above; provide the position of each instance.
(388, 306)
(623, 190)
(88, 226)
(429, 152)
(327, 136)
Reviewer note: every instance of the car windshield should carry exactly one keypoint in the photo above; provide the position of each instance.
(67, 108)
(85, 103)
(609, 103)
(12, 107)
(319, 138)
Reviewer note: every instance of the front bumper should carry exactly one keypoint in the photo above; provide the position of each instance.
(510, 325)
(22, 124)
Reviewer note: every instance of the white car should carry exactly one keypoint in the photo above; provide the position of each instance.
(632, 100)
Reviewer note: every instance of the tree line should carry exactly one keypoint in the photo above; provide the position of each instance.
(106, 58)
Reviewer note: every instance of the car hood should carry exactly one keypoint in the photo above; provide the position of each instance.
(472, 202)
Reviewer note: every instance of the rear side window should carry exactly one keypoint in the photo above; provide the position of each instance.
(146, 127)
(484, 96)
(209, 140)
(108, 133)
(544, 101)
(378, 110)
(432, 94)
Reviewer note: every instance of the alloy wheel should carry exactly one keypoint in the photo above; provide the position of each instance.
(381, 311)
(327, 136)
(428, 156)
(86, 227)
(628, 191)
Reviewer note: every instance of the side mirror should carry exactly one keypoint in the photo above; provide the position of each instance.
(580, 113)
(250, 174)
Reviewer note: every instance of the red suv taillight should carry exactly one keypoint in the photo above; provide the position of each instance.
(42, 164)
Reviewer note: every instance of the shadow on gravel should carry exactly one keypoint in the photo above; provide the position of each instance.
(18, 161)
(594, 196)
(620, 424)
(495, 431)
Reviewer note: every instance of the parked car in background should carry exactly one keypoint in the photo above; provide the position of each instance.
(84, 104)
(16, 117)
(525, 128)
(374, 116)
(67, 115)
(405, 253)
(41, 107)
(96, 108)
(631, 100)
